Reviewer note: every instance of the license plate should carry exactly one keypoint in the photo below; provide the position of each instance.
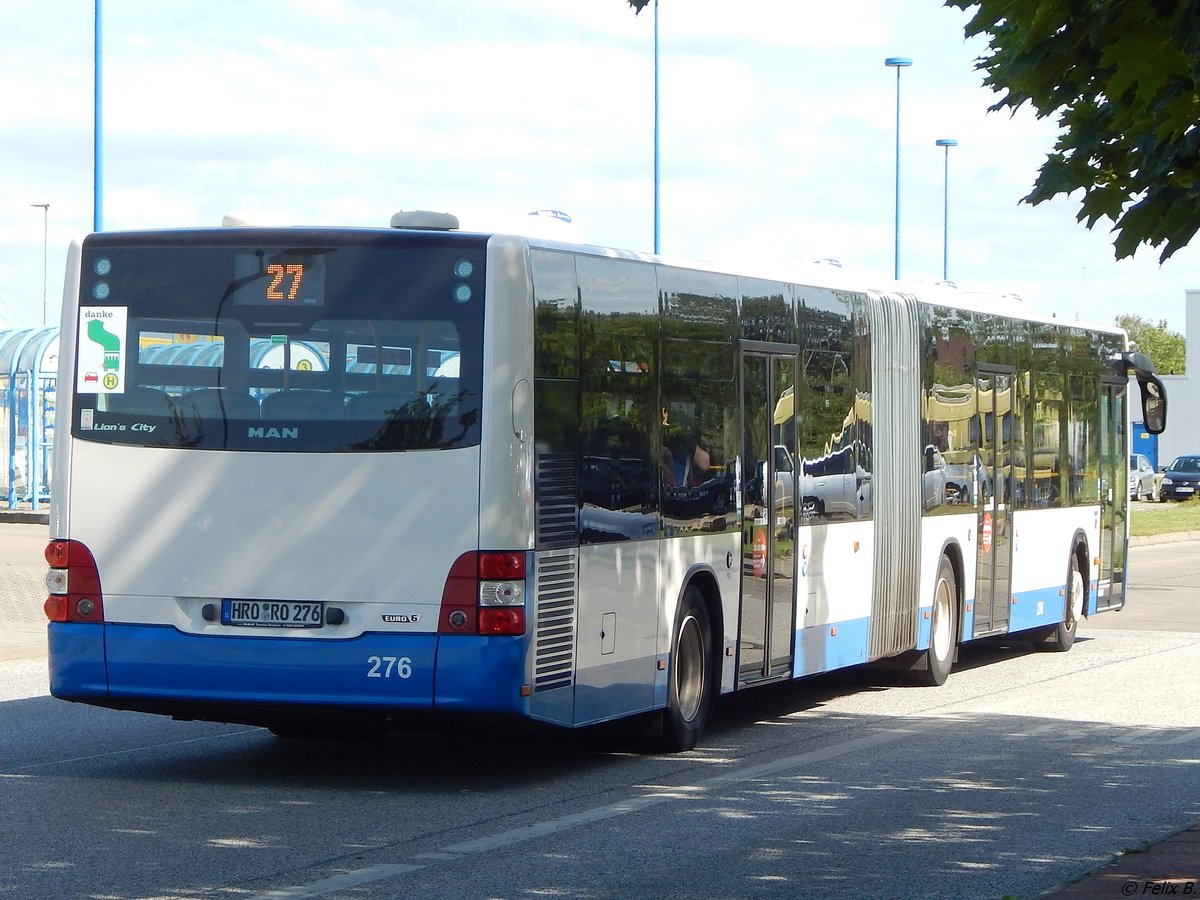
(273, 613)
(1184, 490)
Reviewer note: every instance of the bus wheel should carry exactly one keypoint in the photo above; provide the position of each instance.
(1062, 636)
(934, 667)
(689, 687)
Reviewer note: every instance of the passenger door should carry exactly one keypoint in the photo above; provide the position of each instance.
(1114, 495)
(994, 501)
(768, 611)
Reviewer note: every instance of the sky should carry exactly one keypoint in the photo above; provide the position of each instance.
(777, 136)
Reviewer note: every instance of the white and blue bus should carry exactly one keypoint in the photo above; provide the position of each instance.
(323, 479)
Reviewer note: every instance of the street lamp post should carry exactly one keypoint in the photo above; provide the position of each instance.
(898, 62)
(656, 149)
(45, 208)
(97, 127)
(947, 143)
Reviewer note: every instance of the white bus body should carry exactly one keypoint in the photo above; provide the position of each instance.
(410, 474)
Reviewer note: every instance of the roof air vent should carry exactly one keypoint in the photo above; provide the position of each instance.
(425, 220)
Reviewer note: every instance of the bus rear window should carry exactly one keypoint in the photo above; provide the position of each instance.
(204, 346)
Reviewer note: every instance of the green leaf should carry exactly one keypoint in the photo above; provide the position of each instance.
(1122, 78)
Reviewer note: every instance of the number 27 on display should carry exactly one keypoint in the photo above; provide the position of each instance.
(279, 272)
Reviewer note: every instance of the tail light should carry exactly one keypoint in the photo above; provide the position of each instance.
(73, 583)
(485, 594)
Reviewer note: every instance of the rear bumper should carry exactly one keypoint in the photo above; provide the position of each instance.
(258, 680)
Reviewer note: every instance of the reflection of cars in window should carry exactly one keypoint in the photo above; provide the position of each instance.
(959, 480)
(833, 485)
(933, 480)
(1181, 481)
(1141, 478)
(785, 476)
(617, 483)
(619, 499)
(1045, 477)
(712, 497)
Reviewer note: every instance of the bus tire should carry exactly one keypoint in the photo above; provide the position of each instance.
(690, 677)
(1061, 637)
(935, 663)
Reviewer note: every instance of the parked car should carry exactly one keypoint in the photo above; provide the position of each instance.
(1141, 478)
(1181, 481)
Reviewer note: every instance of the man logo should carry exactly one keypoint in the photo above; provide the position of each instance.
(292, 433)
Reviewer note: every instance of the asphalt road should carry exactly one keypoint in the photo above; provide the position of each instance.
(1025, 770)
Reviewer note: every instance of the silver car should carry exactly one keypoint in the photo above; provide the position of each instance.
(1142, 483)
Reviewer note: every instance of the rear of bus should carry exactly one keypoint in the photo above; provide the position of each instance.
(267, 489)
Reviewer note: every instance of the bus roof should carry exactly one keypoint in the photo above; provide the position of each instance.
(811, 273)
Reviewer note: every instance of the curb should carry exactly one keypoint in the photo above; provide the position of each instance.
(1171, 862)
(25, 516)
(1169, 538)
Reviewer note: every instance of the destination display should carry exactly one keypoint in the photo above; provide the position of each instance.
(279, 278)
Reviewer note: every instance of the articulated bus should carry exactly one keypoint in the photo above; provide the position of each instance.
(334, 479)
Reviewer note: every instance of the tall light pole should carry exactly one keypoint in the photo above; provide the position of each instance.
(656, 183)
(898, 62)
(97, 132)
(45, 208)
(947, 143)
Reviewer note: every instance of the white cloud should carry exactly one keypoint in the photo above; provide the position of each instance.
(777, 133)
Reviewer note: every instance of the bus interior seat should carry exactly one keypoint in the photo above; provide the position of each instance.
(218, 403)
(377, 405)
(303, 403)
(139, 401)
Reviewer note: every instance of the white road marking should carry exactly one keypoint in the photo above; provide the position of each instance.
(342, 882)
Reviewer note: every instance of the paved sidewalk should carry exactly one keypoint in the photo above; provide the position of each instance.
(22, 585)
(1169, 868)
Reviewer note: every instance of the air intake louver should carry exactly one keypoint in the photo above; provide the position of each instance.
(554, 637)
(556, 494)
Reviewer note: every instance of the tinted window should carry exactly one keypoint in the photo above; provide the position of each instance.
(951, 407)
(618, 474)
(281, 340)
(697, 427)
(834, 413)
(768, 311)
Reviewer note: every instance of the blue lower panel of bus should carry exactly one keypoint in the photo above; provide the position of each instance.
(77, 662)
(967, 627)
(480, 673)
(111, 663)
(1033, 608)
(823, 648)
